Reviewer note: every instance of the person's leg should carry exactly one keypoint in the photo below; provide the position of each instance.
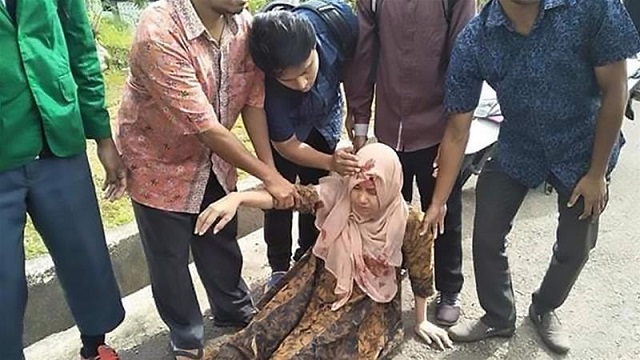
(166, 237)
(13, 297)
(574, 241)
(219, 262)
(63, 205)
(498, 198)
(277, 223)
(408, 174)
(308, 233)
(448, 247)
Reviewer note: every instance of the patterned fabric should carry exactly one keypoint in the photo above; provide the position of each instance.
(181, 83)
(292, 112)
(295, 320)
(545, 82)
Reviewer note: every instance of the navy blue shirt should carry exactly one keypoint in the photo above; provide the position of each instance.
(292, 112)
(545, 82)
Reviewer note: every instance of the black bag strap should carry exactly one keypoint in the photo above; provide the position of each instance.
(338, 26)
(341, 32)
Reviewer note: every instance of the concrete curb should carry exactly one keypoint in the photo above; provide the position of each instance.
(47, 312)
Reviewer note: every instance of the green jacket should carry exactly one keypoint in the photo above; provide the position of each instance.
(50, 82)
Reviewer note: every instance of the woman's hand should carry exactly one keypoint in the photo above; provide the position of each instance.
(433, 335)
(222, 210)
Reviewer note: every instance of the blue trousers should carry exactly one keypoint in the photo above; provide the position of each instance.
(59, 195)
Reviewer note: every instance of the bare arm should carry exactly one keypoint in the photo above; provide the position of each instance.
(223, 210)
(612, 80)
(592, 186)
(255, 122)
(451, 155)
(302, 154)
(342, 161)
(226, 145)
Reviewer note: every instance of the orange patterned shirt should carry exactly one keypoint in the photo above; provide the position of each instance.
(182, 82)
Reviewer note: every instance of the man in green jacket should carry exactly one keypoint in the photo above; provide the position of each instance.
(51, 101)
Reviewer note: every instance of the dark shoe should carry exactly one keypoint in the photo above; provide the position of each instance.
(274, 279)
(550, 330)
(230, 324)
(195, 354)
(234, 323)
(476, 330)
(448, 309)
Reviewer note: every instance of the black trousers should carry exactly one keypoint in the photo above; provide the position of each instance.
(277, 223)
(448, 247)
(498, 198)
(167, 238)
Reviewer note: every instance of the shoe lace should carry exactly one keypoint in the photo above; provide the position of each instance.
(448, 299)
(551, 318)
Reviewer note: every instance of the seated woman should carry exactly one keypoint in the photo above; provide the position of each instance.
(342, 299)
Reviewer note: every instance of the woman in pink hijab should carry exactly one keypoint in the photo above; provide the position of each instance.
(342, 300)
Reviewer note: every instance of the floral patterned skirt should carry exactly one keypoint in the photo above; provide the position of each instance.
(295, 321)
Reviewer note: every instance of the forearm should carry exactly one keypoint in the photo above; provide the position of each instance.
(255, 123)
(224, 144)
(608, 126)
(259, 199)
(420, 309)
(451, 155)
(303, 154)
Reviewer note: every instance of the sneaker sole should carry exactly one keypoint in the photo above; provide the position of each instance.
(446, 323)
(506, 333)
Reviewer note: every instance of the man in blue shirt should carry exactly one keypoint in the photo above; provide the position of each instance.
(303, 62)
(558, 67)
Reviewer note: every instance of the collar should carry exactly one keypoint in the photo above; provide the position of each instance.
(497, 17)
(193, 26)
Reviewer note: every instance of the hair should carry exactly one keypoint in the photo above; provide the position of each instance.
(279, 40)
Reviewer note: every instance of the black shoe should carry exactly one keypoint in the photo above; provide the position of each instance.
(448, 309)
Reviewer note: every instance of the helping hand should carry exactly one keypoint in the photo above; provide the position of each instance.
(433, 221)
(344, 162)
(283, 192)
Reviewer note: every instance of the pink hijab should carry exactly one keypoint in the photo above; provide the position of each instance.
(363, 250)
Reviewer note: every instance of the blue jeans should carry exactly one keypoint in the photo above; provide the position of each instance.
(59, 195)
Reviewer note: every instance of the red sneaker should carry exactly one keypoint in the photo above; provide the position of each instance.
(104, 353)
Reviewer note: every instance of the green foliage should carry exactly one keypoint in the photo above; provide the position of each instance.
(256, 5)
(481, 3)
(116, 36)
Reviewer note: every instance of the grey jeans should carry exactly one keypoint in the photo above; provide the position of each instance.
(498, 198)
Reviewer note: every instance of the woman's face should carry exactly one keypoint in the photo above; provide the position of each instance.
(364, 199)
